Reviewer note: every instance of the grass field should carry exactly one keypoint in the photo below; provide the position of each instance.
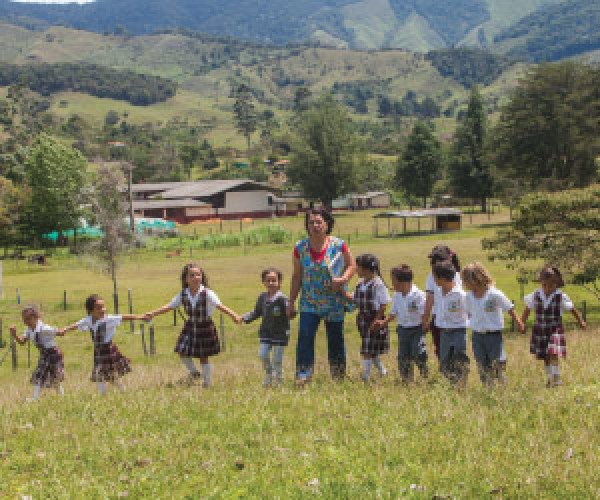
(161, 439)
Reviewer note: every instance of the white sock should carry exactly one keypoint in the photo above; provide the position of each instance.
(189, 364)
(366, 365)
(379, 365)
(36, 392)
(206, 373)
(60, 390)
(556, 370)
(102, 388)
(549, 371)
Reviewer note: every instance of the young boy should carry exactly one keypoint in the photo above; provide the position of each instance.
(452, 319)
(408, 304)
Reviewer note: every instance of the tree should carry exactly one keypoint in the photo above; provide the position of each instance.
(550, 129)
(562, 229)
(302, 99)
(55, 174)
(326, 155)
(420, 164)
(111, 215)
(469, 171)
(246, 120)
(12, 199)
(111, 118)
(189, 154)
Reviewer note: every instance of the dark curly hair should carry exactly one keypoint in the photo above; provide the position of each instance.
(325, 214)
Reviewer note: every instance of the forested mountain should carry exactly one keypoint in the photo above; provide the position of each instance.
(555, 32)
(413, 24)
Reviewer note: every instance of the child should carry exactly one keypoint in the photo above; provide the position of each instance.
(439, 253)
(451, 318)
(50, 368)
(109, 364)
(485, 306)
(408, 304)
(198, 338)
(274, 330)
(548, 341)
(371, 296)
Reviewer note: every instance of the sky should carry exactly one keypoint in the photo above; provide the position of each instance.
(53, 1)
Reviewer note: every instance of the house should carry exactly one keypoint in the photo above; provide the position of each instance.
(185, 202)
(370, 199)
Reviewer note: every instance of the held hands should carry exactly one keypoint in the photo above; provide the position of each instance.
(337, 284)
(61, 332)
(146, 317)
(13, 331)
(377, 325)
(582, 325)
(291, 310)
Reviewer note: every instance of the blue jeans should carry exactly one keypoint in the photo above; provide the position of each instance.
(488, 349)
(454, 362)
(305, 349)
(412, 349)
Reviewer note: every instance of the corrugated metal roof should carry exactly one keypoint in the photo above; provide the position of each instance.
(202, 189)
(156, 186)
(185, 203)
(430, 212)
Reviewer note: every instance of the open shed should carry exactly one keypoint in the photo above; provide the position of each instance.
(433, 220)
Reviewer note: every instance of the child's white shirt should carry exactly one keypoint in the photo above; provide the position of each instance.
(381, 295)
(431, 287)
(212, 300)
(486, 314)
(112, 321)
(566, 304)
(45, 334)
(408, 309)
(451, 311)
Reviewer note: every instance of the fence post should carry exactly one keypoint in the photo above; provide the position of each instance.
(64, 300)
(222, 328)
(512, 324)
(174, 317)
(13, 348)
(1, 335)
(584, 311)
(152, 344)
(28, 353)
(130, 305)
(143, 334)
(18, 297)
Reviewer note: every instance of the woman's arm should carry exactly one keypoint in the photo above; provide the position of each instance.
(295, 285)
(18, 339)
(233, 315)
(350, 269)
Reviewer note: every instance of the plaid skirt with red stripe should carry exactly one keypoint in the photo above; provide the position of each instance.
(50, 370)
(109, 363)
(373, 343)
(198, 340)
(548, 340)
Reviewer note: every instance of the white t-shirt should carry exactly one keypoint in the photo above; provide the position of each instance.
(381, 295)
(212, 301)
(451, 309)
(45, 334)
(566, 304)
(487, 313)
(111, 321)
(431, 287)
(409, 308)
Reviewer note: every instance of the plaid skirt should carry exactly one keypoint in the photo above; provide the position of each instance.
(548, 340)
(50, 370)
(373, 343)
(198, 340)
(109, 363)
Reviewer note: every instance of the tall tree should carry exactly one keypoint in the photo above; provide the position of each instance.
(189, 155)
(469, 171)
(246, 118)
(420, 164)
(56, 175)
(326, 155)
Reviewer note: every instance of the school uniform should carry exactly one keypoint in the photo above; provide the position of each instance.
(369, 297)
(548, 333)
(452, 319)
(199, 337)
(50, 370)
(408, 310)
(486, 317)
(436, 291)
(109, 363)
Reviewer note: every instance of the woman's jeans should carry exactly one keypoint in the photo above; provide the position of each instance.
(305, 349)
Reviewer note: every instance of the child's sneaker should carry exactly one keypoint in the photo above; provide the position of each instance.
(268, 380)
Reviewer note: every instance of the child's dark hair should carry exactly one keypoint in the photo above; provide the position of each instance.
(440, 253)
(402, 273)
(444, 270)
(270, 270)
(370, 262)
(184, 273)
(325, 214)
(31, 310)
(90, 302)
(551, 273)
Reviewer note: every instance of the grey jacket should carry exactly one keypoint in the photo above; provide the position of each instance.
(275, 326)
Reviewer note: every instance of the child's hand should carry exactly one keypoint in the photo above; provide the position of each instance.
(13, 331)
(377, 325)
(146, 317)
(583, 325)
(238, 319)
(61, 332)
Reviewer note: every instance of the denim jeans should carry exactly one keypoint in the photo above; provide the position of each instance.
(412, 349)
(272, 365)
(305, 349)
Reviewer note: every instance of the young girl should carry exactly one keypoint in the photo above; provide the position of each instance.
(439, 253)
(50, 368)
(109, 364)
(371, 297)
(274, 330)
(199, 337)
(548, 342)
(485, 306)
